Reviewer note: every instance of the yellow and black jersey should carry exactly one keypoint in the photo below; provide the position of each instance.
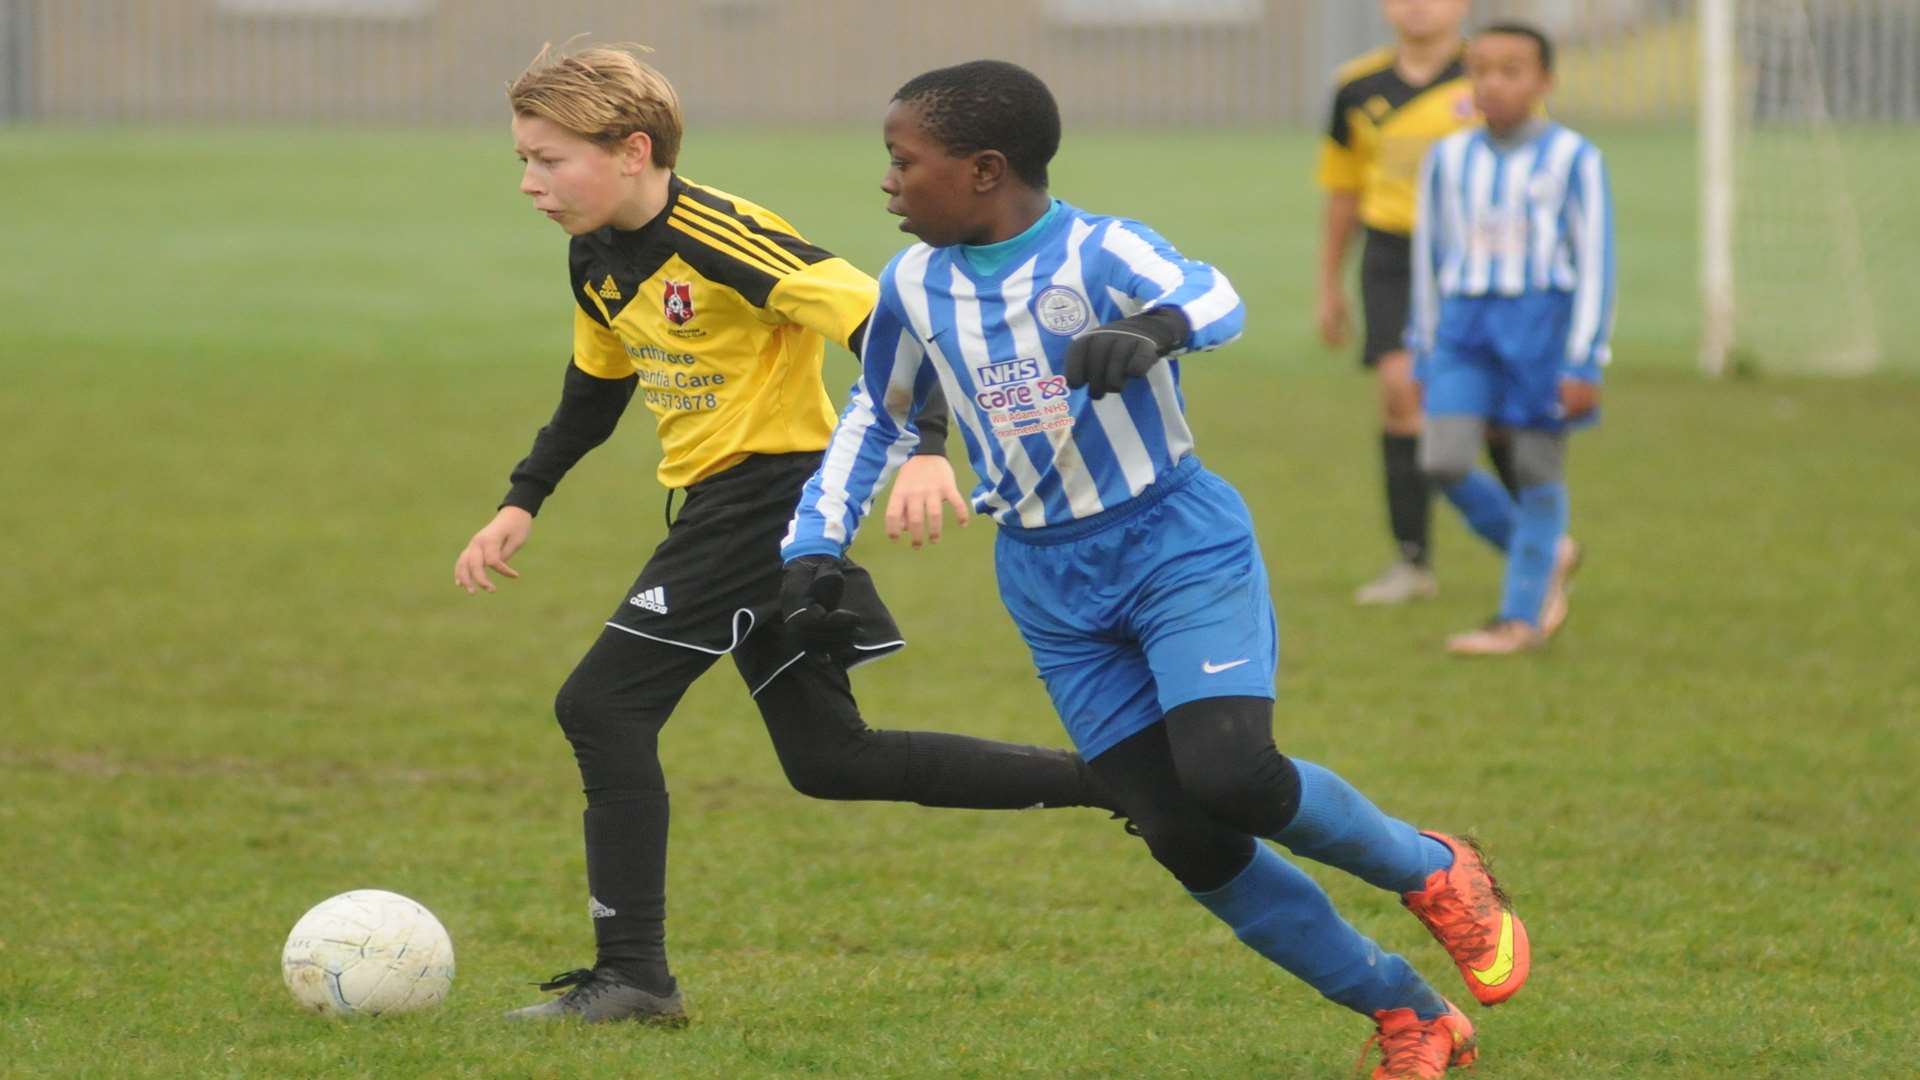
(722, 313)
(1381, 129)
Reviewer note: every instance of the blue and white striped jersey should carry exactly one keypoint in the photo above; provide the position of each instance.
(997, 345)
(1536, 217)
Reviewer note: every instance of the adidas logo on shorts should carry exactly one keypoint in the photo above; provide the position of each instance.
(654, 599)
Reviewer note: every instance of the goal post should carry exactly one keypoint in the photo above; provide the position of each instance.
(1716, 185)
(1807, 140)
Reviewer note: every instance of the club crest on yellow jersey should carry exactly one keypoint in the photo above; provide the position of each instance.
(677, 302)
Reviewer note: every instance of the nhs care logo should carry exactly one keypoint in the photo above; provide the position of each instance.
(1016, 384)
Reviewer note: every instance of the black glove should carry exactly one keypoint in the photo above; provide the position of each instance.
(810, 589)
(1105, 357)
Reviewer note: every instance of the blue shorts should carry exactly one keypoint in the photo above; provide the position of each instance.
(1154, 603)
(1500, 358)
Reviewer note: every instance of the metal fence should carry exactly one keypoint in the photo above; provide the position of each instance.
(1178, 62)
(1839, 61)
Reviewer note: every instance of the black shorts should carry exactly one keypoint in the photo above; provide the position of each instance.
(713, 585)
(1386, 292)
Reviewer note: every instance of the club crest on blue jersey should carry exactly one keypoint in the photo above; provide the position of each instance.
(1061, 310)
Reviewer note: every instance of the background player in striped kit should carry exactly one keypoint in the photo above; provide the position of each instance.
(717, 312)
(1131, 571)
(1512, 311)
(1389, 107)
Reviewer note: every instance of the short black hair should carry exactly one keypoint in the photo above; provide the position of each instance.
(1526, 30)
(989, 105)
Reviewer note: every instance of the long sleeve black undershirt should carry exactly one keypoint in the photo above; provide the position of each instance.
(591, 407)
(932, 425)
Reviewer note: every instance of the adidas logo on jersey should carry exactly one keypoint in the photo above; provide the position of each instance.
(654, 599)
(598, 910)
(608, 290)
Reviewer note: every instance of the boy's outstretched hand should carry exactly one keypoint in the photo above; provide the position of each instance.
(921, 492)
(490, 549)
(1332, 317)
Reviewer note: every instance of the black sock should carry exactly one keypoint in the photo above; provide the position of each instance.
(1501, 454)
(627, 875)
(1408, 499)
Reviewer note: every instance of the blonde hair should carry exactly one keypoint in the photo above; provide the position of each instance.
(602, 94)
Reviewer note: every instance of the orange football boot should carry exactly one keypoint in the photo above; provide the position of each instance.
(1474, 921)
(1416, 1049)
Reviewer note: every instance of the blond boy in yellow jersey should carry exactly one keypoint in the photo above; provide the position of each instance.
(1389, 106)
(716, 312)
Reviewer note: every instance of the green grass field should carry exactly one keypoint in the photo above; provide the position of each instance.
(259, 389)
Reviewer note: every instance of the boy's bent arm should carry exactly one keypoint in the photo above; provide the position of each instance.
(590, 408)
(1424, 296)
(1590, 227)
(1182, 306)
(1342, 218)
(873, 437)
(836, 300)
(1341, 174)
(599, 384)
(1144, 266)
(830, 297)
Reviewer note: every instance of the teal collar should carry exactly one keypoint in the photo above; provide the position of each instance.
(989, 259)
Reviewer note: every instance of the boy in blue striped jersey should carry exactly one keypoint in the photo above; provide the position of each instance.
(1512, 309)
(1131, 571)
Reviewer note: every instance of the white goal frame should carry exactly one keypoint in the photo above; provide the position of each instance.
(1720, 133)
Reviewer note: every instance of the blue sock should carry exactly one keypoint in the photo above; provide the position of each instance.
(1284, 915)
(1339, 826)
(1537, 530)
(1488, 508)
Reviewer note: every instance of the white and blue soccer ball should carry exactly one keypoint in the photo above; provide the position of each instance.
(368, 952)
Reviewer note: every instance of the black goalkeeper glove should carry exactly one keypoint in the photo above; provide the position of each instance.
(1105, 357)
(810, 590)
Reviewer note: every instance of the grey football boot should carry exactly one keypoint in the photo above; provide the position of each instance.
(1401, 583)
(598, 997)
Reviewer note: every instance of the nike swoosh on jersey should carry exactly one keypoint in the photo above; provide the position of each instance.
(1212, 668)
(1496, 973)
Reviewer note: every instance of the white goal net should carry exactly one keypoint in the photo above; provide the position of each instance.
(1811, 164)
